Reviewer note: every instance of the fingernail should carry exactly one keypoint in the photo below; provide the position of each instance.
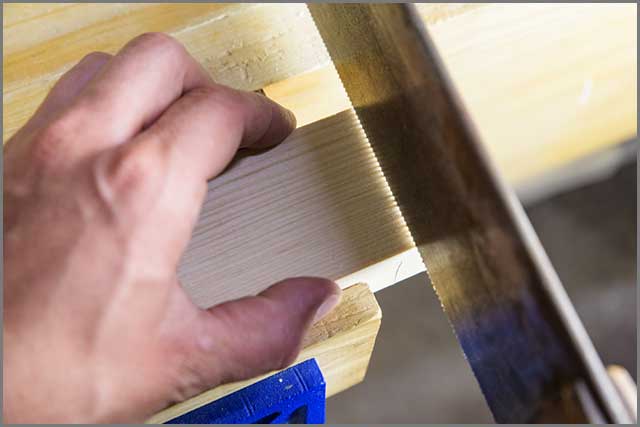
(326, 307)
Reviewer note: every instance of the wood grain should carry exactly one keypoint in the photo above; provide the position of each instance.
(315, 205)
(341, 343)
(532, 78)
(247, 46)
(312, 96)
(546, 84)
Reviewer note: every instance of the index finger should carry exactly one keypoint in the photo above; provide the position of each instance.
(138, 84)
(195, 139)
(202, 130)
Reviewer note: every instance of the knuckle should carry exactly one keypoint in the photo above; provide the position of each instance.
(207, 96)
(95, 57)
(51, 144)
(131, 170)
(204, 93)
(159, 43)
(232, 105)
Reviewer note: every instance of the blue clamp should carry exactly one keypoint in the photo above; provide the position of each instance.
(293, 396)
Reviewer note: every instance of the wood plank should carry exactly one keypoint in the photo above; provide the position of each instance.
(312, 96)
(532, 78)
(335, 215)
(556, 103)
(546, 84)
(341, 343)
(41, 42)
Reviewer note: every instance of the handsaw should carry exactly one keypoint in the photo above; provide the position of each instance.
(528, 349)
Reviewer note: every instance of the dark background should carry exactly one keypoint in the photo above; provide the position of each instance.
(418, 373)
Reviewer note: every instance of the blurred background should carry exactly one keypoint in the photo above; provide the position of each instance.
(586, 219)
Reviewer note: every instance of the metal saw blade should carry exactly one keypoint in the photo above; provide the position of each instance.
(508, 309)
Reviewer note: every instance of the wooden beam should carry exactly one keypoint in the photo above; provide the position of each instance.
(546, 84)
(317, 204)
(341, 343)
(247, 46)
(532, 76)
(312, 96)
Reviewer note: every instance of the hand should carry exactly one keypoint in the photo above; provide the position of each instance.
(102, 188)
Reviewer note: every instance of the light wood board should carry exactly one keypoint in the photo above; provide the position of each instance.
(546, 84)
(341, 343)
(317, 204)
(541, 87)
(247, 46)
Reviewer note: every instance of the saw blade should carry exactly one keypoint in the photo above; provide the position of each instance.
(512, 317)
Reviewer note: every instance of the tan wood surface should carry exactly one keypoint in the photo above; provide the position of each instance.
(341, 343)
(315, 205)
(545, 83)
(541, 87)
(247, 46)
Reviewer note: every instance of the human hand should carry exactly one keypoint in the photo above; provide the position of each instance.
(102, 188)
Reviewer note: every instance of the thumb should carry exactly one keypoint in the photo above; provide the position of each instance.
(255, 335)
